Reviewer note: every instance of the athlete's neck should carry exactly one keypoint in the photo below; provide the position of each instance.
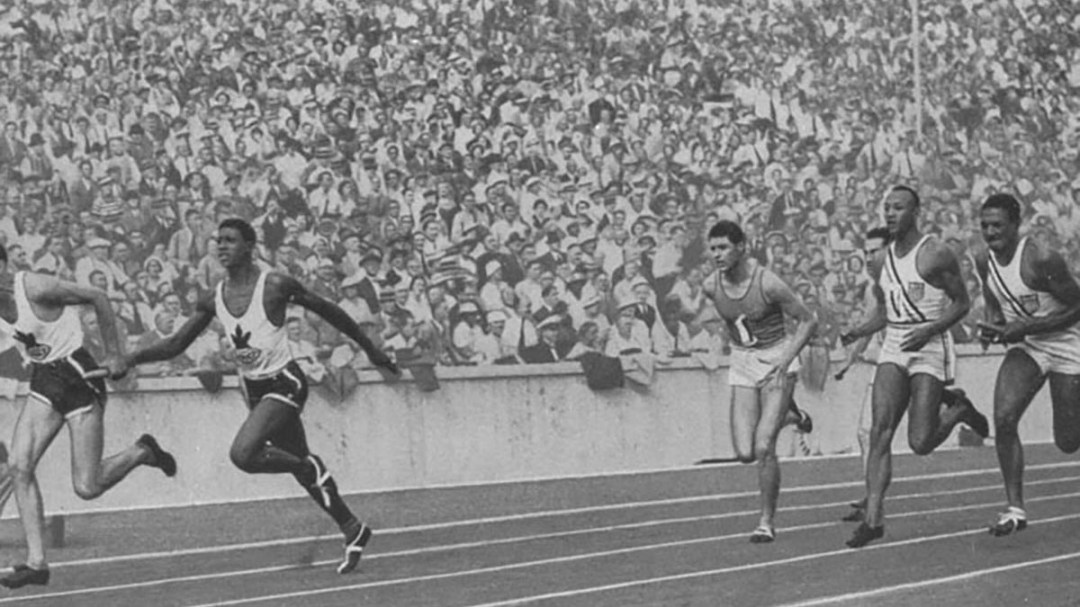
(1006, 255)
(738, 272)
(907, 241)
(243, 273)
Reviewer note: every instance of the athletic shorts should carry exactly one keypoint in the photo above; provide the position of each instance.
(1054, 352)
(62, 384)
(937, 358)
(288, 386)
(749, 366)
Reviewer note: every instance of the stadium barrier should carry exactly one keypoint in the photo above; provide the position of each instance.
(483, 425)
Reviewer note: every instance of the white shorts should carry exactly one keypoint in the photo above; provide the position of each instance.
(937, 358)
(1054, 352)
(750, 366)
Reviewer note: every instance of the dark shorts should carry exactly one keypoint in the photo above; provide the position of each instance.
(288, 386)
(61, 384)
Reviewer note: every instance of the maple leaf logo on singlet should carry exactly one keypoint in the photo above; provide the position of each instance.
(34, 350)
(245, 354)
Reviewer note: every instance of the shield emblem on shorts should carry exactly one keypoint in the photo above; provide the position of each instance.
(1030, 303)
(916, 290)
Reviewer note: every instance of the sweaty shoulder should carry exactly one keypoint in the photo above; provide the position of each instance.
(934, 257)
(1041, 265)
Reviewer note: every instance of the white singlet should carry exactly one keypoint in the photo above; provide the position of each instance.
(262, 348)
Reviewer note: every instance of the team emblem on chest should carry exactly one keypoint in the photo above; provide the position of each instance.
(916, 290)
(34, 350)
(1030, 302)
(246, 356)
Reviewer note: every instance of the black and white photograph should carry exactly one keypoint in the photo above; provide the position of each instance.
(583, 303)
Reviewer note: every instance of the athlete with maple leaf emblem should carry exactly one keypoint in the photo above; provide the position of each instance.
(251, 304)
(67, 387)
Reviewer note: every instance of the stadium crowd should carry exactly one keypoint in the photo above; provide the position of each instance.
(491, 182)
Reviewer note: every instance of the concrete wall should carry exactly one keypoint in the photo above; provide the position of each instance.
(482, 425)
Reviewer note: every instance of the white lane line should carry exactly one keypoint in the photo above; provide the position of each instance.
(715, 572)
(962, 577)
(637, 549)
(524, 538)
(524, 516)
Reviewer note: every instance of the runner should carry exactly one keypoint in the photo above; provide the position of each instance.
(875, 241)
(251, 304)
(920, 294)
(1033, 307)
(754, 303)
(42, 314)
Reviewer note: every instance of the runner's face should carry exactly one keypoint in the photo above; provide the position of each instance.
(900, 212)
(999, 232)
(232, 249)
(725, 254)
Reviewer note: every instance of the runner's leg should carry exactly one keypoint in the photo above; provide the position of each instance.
(37, 426)
(1065, 396)
(773, 409)
(250, 450)
(1018, 380)
(889, 402)
(745, 413)
(90, 475)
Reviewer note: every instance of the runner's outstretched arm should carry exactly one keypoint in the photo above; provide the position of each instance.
(339, 319)
(175, 344)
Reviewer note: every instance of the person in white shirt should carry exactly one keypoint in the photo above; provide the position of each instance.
(468, 331)
(629, 335)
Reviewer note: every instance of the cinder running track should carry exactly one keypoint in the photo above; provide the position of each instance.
(667, 538)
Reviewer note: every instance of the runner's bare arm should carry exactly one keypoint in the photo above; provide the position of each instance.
(175, 344)
(878, 318)
(297, 293)
(776, 290)
(50, 291)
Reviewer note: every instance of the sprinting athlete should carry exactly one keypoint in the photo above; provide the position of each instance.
(920, 295)
(67, 387)
(875, 241)
(1033, 307)
(754, 303)
(251, 305)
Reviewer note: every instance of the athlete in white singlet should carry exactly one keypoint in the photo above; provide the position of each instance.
(876, 240)
(251, 305)
(754, 302)
(41, 314)
(920, 294)
(1033, 307)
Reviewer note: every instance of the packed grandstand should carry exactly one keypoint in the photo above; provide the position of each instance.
(493, 182)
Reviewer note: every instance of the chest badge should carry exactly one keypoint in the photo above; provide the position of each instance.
(246, 356)
(36, 351)
(916, 291)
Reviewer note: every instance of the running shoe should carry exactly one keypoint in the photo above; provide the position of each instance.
(800, 419)
(1013, 519)
(323, 481)
(857, 515)
(23, 575)
(161, 458)
(354, 549)
(764, 534)
(864, 534)
(974, 420)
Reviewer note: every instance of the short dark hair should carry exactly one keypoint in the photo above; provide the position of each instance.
(882, 233)
(244, 228)
(1005, 202)
(728, 229)
(3, 254)
(909, 190)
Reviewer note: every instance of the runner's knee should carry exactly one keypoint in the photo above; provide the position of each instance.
(1006, 423)
(1067, 440)
(87, 489)
(243, 456)
(921, 445)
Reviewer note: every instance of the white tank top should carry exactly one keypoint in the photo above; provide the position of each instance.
(262, 348)
(1019, 301)
(909, 299)
(40, 341)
